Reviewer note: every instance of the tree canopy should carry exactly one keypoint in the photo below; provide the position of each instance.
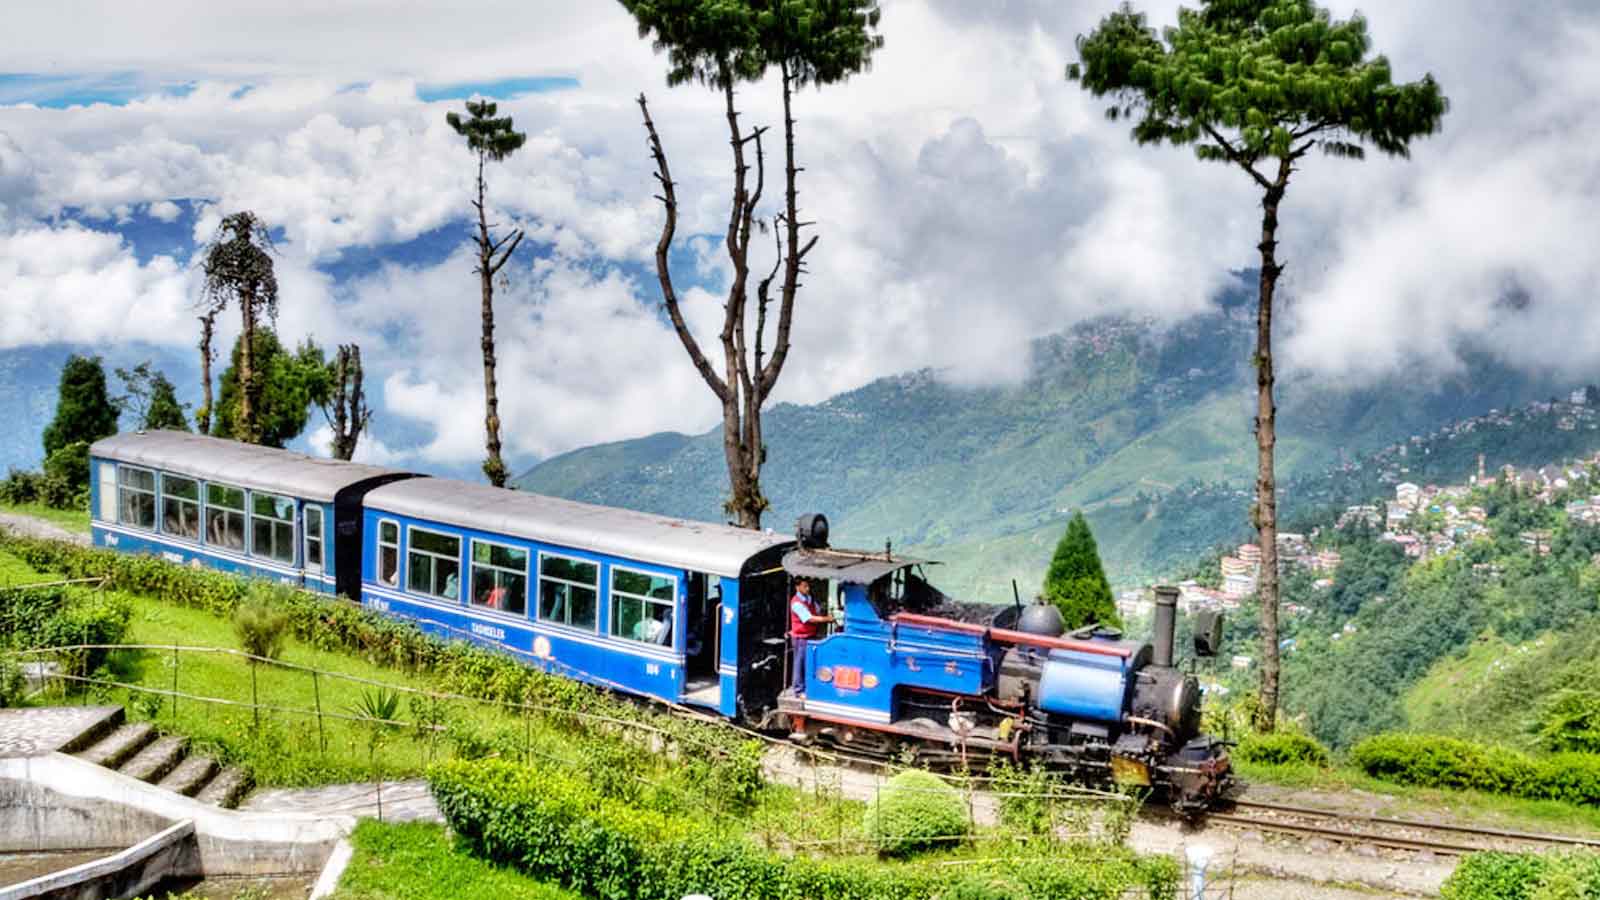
(84, 409)
(711, 41)
(1246, 80)
(152, 399)
(290, 384)
(489, 136)
(1076, 581)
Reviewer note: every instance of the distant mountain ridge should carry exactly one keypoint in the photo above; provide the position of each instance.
(1113, 411)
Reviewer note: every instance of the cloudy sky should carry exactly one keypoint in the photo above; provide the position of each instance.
(966, 196)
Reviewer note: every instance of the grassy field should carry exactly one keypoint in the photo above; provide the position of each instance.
(418, 861)
(70, 519)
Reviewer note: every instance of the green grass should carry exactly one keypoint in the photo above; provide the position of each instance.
(418, 861)
(15, 572)
(70, 519)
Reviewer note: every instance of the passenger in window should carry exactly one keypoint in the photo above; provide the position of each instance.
(450, 586)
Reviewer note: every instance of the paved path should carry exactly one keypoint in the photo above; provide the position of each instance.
(33, 527)
(402, 801)
(30, 731)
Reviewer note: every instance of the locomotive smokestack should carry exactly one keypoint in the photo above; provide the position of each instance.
(1166, 625)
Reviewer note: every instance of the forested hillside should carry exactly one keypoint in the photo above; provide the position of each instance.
(1148, 430)
(1489, 636)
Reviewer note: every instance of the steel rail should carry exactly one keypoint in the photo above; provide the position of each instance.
(1335, 834)
(1477, 830)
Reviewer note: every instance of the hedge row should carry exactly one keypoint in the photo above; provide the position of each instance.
(563, 830)
(1435, 761)
(60, 616)
(1524, 876)
(1282, 748)
(333, 624)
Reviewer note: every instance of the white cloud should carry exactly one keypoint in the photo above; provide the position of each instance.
(966, 198)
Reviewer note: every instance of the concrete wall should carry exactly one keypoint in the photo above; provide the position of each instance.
(170, 854)
(60, 802)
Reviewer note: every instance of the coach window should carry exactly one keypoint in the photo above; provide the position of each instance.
(641, 606)
(389, 553)
(136, 497)
(225, 516)
(433, 564)
(569, 591)
(272, 527)
(180, 507)
(313, 531)
(500, 577)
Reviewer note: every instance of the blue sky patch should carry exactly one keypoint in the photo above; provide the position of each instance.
(66, 91)
(499, 89)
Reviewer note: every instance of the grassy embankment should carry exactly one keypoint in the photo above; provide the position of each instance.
(70, 519)
(286, 749)
(418, 861)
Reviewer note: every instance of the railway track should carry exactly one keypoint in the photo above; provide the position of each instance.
(1383, 831)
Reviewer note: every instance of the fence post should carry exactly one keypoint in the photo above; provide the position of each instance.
(255, 700)
(316, 692)
(174, 685)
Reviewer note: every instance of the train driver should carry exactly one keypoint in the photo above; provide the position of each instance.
(805, 623)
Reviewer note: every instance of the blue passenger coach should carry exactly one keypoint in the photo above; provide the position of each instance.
(683, 611)
(241, 508)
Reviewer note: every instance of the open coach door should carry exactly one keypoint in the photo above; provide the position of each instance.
(763, 624)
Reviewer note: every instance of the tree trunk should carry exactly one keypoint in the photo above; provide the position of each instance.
(246, 429)
(493, 466)
(203, 417)
(1265, 512)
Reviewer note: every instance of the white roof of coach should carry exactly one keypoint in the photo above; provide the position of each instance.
(246, 465)
(696, 546)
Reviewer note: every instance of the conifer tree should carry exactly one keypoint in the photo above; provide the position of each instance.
(85, 413)
(490, 139)
(238, 269)
(1076, 581)
(1257, 84)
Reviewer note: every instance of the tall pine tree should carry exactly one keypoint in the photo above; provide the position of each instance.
(1076, 583)
(1259, 85)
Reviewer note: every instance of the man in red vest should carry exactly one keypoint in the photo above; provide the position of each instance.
(805, 623)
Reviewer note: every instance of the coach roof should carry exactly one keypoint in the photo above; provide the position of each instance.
(680, 543)
(245, 465)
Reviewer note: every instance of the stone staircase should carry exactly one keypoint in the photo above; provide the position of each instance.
(138, 750)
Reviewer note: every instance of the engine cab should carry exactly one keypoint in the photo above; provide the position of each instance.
(906, 667)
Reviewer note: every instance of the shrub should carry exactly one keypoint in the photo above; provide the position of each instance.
(261, 626)
(1525, 876)
(1433, 761)
(1282, 748)
(916, 810)
(1570, 720)
(1494, 876)
(12, 685)
(20, 487)
(69, 465)
(558, 828)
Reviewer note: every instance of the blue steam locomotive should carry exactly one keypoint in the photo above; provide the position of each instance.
(686, 612)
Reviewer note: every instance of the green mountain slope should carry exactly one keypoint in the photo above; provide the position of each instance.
(1113, 414)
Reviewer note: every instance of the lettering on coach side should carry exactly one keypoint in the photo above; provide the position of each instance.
(378, 603)
(488, 631)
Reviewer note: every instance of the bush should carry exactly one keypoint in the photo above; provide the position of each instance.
(69, 465)
(560, 829)
(12, 685)
(1282, 748)
(20, 487)
(1525, 876)
(916, 810)
(61, 616)
(261, 626)
(1433, 761)
(1570, 721)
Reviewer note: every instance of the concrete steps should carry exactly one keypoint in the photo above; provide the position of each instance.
(157, 758)
(189, 776)
(120, 745)
(226, 789)
(138, 750)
